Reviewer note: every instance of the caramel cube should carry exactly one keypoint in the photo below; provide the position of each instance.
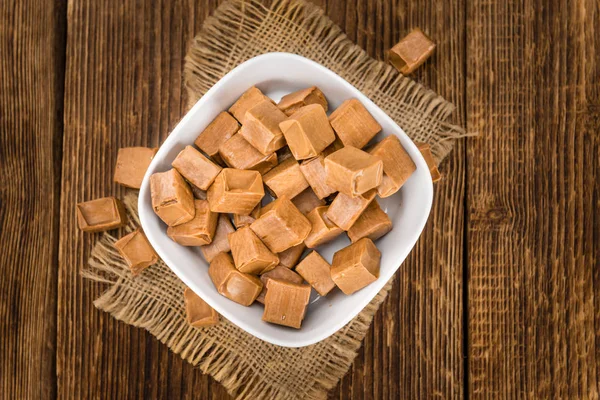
(345, 210)
(198, 313)
(220, 242)
(243, 220)
(137, 251)
(281, 226)
(197, 169)
(433, 169)
(249, 99)
(231, 283)
(412, 51)
(372, 223)
(132, 164)
(249, 253)
(101, 214)
(238, 153)
(261, 127)
(172, 198)
(397, 165)
(307, 131)
(199, 231)
(290, 103)
(236, 191)
(323, 230)
(356, 266)
(354, 125)
(353, 171)
(316, 271)
(285, 303)
(314, 172)
(286, 179)
(306, 201)
(281, 273)
(289, 258)
(220, 130)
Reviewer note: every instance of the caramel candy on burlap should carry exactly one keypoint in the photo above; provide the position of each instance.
(316, 271)
(286, 179)
(101, 214)
(199, 231)
(290, 103)
(172, 198)
(261, 127)
(231, 283)
(314, 172)
(285, 303)
(198, 313)
(323, 230)
(197, 169)
(412, 51)
(433, 169)
(354, 125)
(220, 242)
(289, 258)
(220, 130)
(353, 171)
(249, 99)
(397, 165)
(250, 253)
(345, 210)
(307, 132)
(356, 266)
(372, 223)
(281, 273)
(136, 251)
(306, 201)
(132, 164)
(243, 220)
(238, 153)
(236, 191)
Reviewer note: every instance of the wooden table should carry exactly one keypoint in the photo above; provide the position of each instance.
(501, 296)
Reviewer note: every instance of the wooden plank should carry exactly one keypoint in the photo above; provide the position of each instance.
(533, 194)
(32, 45)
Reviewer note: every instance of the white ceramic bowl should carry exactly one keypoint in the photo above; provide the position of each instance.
(277, 74)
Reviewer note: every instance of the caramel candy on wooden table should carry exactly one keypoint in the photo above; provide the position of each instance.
(356, 266)
(372, 223)
(433, 169)
(397, 165)
(345, 210)
(101, 214)
(289, 258)
(285, 303)
(249, 99)
(199, 231)
(307, 132)
(353, 171)
(220, 242)
(249, 253)
(243, 220)
(236, 191)
(238, 153)
(281, 226)
(172, 198)
(132, 164)
(323, 230)
(286, 179)
(216, 133)
(306, 201)
(137, 251)
(231, 283)
(198, 313)
(354, 125)
(412, 51)
(281, 273)
(261, 127)
(314, 172)
(290, 103)
(197, 169)
(316, 271)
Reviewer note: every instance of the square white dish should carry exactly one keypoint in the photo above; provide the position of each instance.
(277, 74)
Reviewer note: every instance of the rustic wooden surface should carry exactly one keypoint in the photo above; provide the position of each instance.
(501, 296)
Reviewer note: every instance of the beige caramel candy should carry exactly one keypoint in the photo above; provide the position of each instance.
(238, 153)
(286, 179)
(132, 164)
(345, 210)
(281, 273)
(372, 223)
(220, 242)
(249, 99)
(353, 171)
(172, 198)
(199, 231)
(412, 51)
(101, 214)
(356, 266)
(285, 303)
(197, 169)
(137, 251)
(316, 271)
(306, 201)
(243, 220)
(433, 169)
(261, 127)
(307, 132)
(397, 165)
(290, 103)
(354, 125)
(323, 230)
(231, 283)
(289, 258)
(216, 133)
(281, 226)
(236, 191)
(250, 254)
(198, 313)
(314, 173)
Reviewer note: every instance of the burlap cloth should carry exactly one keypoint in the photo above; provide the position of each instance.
(248, 367)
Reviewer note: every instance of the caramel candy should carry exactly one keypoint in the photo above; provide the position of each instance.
(231, 283)
(353, 171)
(433, 169)
(216, 133)
(250, 254)
(101, 214)
(261, 127)
(243, 220)
(345, 210)
(285, 303)
(137, 251)
(290, 103)
(412, 51)
(307, 132)
(281, 226)
(397, 165)
(286, 179)
(198, 313)
(306, 201)
(281, 273)
(314, 173)
(199, 231)
(249, 99)
(316, 271)
(220, 243)
(354, 125)
(289, 258)
(235, 191)
(238, 153)
(132, 164)
(197, 169)
(372, 223)
(356, 266)
(172, 198)
(323, 230)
